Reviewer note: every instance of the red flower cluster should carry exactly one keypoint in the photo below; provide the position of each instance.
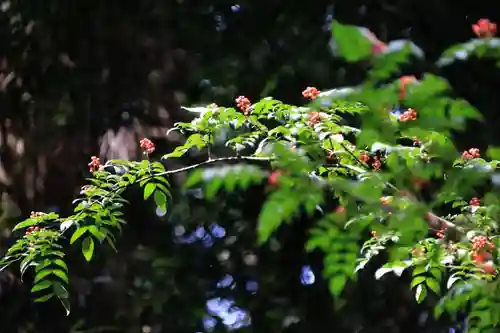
(31, 230)
(147, 145)
(484, 28)
(314, 118)
(35, 215)
(311, 92)
(471, 154)
(475, 202)
(243, 104)
(480, 258)
(94, 164)
(376, 165)
(365, 158)
(410, 114)
(385, 200)
(481, 243)
(274, 178)
(441, 233)
(340, 209)
(379, 47)
(481, 248)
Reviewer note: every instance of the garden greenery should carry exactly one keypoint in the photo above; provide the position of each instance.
(370, 148)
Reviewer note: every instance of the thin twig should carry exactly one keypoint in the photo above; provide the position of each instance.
(213, 161)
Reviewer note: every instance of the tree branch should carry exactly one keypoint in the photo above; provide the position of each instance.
(434, 221)
(213, 161)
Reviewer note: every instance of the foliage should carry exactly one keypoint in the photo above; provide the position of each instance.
(357, 163)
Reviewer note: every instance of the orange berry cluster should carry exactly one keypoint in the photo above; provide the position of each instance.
(94, 164)
(471, 154)
(311, 93)
(243, 104)
(147, 145)
(475, 202)
(484, 28)
(410, 114)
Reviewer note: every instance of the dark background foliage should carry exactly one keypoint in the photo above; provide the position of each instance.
(81, 78)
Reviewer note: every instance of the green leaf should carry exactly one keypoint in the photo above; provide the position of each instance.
(60, 274)
(420, 293)
(493, 152)
(148, 190)
(41, 274)
(178, 152)
(462, 108)
(88, 248)
(77, 234)
(352, 44)
(337, 284)
(194, 140)
(60, 290)
(94, 230)
(24, 224)
(433, 285)
(65, 303)
(25, 264)
(160, 200)
(41, 286)
(390, 63)
(382, 271)
(417, 280)
(44, 298)
(452, 280)
(280, 207)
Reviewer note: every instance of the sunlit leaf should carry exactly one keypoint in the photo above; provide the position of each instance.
(88, 248)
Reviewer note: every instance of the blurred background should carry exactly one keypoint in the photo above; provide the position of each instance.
(81, 78)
